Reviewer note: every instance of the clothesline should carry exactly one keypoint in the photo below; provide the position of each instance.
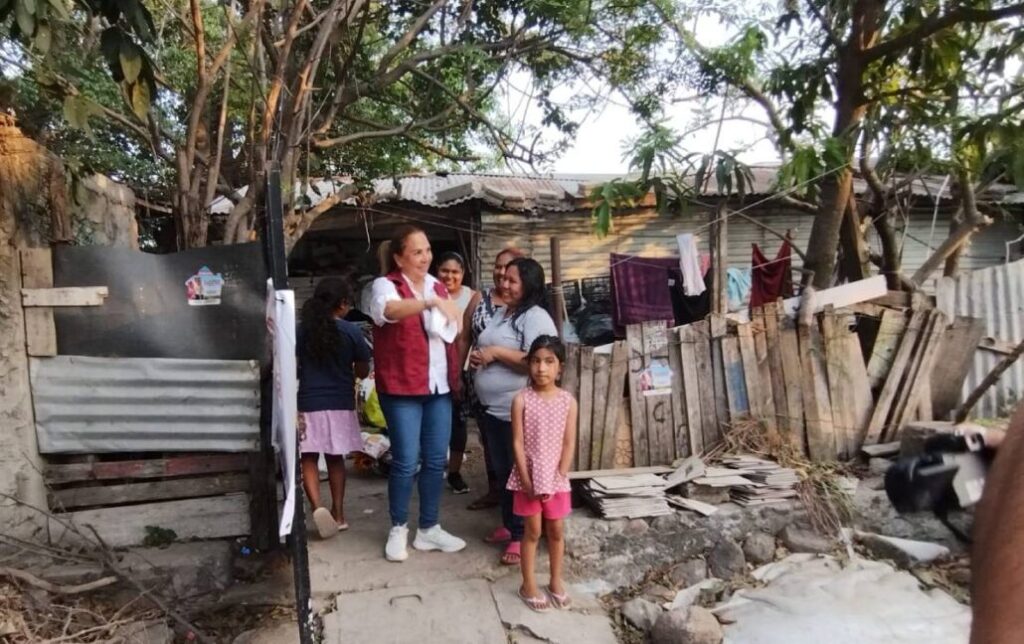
(637, 260)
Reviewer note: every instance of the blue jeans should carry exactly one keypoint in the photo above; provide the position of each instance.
(499, 439)
(419, 428)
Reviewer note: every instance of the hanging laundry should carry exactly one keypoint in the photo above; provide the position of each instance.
(737, 288)
(690, 265)
(687, 309)
(771, 279)
(640, 289)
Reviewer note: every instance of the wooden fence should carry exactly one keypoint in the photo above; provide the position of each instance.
(849, 377)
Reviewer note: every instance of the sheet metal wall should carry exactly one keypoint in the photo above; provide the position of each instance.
(996, 295)
(103, 405)
(647, 233)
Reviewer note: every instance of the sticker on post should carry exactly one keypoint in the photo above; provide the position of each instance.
(656, 380)
(204, 288)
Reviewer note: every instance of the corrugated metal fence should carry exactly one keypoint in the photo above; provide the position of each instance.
(995, 295)
(104, 405)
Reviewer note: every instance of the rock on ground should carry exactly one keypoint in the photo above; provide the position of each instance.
(688, 573)
(903, 552)
(641, 613)
(280, 633)
(694, 625)
(805, 541)
(759, 548)
(726, 560)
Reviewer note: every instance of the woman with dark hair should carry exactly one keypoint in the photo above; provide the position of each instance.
(451, 270)
(416, 365)
(482, 307)
(331, 354)
(501, 372)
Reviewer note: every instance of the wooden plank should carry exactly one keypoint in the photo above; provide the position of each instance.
(187, 488)
(191, 465)
(837, 382)
(764, 371)
(849, 391)
(659, 407)
(882, 449)
(887, 341)
(838, 296)
(602, 370)
(861, 403)
(884, 402)
(623, 437)
(616, 387)
(570, 381)
(691, 386)
(586, 407)
(927, 352)
(207, 518)
(40, 330)
(792, 371)
(817, 409)
(718, 330)
(735, 385)
(710, 428)
(680, 425)
(776, 374)
(959, 344)
(637, 404)
(648, 469)
(67, 296)
(748, 354)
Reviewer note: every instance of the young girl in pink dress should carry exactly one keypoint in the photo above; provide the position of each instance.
(544, 440)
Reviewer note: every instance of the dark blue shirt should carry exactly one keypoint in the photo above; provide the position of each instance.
(330, 384)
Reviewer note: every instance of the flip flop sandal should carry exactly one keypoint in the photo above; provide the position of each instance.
(343, 526)
(561, 602)
(500, 535)
(536, 604)
(513, 554)
(325, 524)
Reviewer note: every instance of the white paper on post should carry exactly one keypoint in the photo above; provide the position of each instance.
(281, 326)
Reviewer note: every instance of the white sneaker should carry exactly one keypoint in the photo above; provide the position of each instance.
(437, 539)
(398, 539)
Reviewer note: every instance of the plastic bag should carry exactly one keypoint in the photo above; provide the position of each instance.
(370, 404)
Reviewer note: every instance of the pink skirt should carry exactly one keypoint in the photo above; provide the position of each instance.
(335, 432)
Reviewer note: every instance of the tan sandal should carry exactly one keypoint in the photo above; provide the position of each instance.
(326, 527)
(561, 602)
(536, 604)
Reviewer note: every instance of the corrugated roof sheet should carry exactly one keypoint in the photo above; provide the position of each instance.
(102, 405)
(995, 295)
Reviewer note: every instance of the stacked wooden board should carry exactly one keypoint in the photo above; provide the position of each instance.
(629, 496)
(843, 379)
(770, 482)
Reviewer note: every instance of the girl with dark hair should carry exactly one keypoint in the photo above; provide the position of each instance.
(331, 354)
(417, 371)
(451, 270)
(544, 440)
(500, 363)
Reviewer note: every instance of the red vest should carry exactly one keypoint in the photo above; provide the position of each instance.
(401, 351)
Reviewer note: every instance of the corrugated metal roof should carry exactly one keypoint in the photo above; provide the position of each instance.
(101, 405)
(512, 192)
(995, 295)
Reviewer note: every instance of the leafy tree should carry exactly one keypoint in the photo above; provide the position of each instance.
(888, 89)
(213, 96)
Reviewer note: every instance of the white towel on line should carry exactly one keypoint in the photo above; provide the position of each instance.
(689, 264)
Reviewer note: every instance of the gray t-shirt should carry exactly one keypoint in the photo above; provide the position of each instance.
(497, 383)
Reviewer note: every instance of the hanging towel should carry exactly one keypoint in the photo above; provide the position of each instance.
(640, 290)
(689, 265)
(689, 308)
(771, 279)
(738, 288)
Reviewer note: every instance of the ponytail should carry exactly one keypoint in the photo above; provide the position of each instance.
(395, 246)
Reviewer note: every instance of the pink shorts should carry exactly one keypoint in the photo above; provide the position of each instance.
(557, 506)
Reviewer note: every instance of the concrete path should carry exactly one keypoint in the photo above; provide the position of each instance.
(466, 597)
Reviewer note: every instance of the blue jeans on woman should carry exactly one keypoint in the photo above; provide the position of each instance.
(419, 428)
(499, 439)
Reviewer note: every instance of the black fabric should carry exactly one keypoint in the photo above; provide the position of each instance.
(688, 309)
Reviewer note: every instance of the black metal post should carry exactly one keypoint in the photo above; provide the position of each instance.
(278, 268)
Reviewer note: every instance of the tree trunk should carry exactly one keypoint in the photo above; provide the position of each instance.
(891, 262)
(29, 193)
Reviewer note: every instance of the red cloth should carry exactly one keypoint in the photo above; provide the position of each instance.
(401, 355)
(771, 279)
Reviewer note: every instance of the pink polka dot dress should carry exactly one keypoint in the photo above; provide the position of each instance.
(543, 431)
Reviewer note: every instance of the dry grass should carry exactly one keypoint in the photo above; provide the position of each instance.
(828, 505)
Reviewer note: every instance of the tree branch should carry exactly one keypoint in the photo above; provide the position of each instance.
(936, 23)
